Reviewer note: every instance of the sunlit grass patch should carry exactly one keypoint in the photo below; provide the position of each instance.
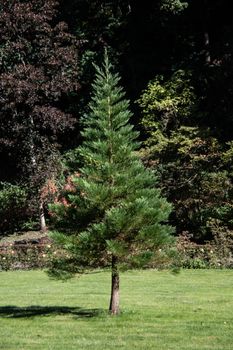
(191, 310)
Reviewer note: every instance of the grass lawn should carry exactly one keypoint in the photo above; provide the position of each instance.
(192, 310)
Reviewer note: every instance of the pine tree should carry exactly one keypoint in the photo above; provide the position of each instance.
(113, 214)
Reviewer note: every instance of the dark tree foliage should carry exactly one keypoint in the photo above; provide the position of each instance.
(38, 75)
(38, 70)
(157, 38)
(97, 24)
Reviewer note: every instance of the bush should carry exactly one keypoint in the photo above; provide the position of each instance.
(13, 200)
(215, 254)
(25, 256)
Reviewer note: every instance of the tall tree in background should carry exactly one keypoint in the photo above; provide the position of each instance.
(194, 166)
(97, 24)
(38, 75)
(114, 215)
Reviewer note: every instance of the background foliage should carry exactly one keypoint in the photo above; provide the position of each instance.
(175, 58)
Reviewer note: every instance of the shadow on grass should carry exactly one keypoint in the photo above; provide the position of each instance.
(37, 310)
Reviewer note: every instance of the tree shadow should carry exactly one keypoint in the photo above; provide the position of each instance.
(37, 310)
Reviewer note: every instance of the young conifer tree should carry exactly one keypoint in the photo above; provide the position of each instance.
(113, 214)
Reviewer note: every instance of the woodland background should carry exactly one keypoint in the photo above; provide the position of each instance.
(175, 59)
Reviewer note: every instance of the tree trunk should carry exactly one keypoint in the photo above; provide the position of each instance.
(115, 295)
(42, 218)
(207, 47)
(34, 168)
(205, 25)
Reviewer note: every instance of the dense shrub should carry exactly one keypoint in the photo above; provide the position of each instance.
(25, 256)
(218, 253)
(12, 207)
(215, 254)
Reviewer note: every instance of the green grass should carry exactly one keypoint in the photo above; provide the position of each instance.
(192, 310)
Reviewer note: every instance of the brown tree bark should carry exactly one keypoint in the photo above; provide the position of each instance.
(114, 307)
